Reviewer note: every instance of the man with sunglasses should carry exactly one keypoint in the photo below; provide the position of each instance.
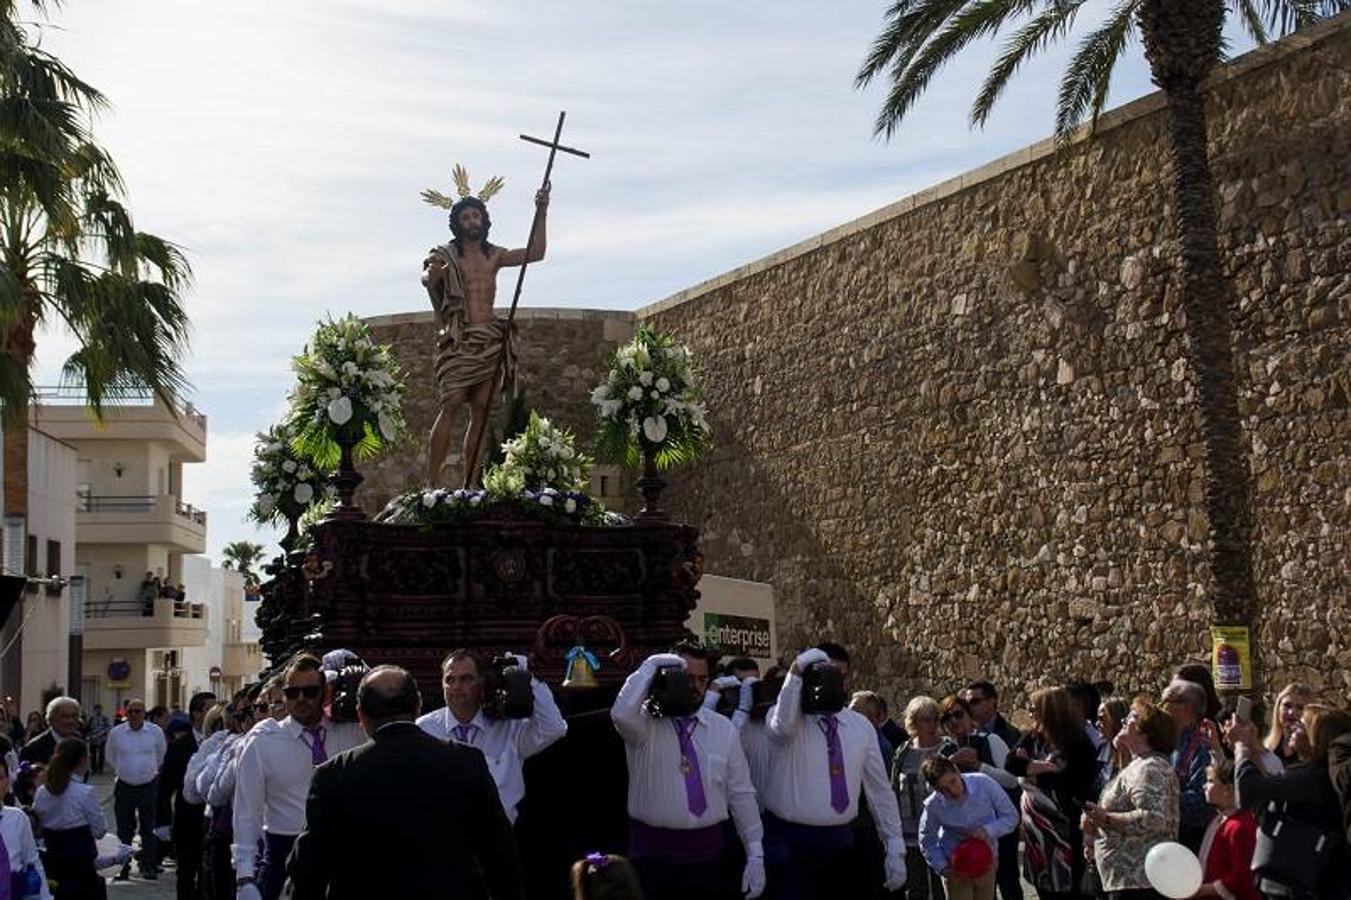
(274, 775)
(136, 751)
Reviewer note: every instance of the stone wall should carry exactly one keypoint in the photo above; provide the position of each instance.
(560, 354)
(960, 435)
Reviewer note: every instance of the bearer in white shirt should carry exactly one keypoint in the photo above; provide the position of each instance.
(822, 763)
(506, 743)
(273, 779)
(687, 773)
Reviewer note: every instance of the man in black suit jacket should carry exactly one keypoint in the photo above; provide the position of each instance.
(404, 815)
(63, 721)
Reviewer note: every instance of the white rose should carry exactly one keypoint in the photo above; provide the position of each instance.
(288, 466)
(546, 500)
(602, 392)
(388, 427)
(663, 384)
(303, 493)
(474, 500)
(334, 393)
(340, 410)
(266, 503)
(635, 393)
(654, 429)
(429, 499)
(349, 368)
(656, 395)
(570, 505)
(645, 379)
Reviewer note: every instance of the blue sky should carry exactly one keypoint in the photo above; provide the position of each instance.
(285, 144)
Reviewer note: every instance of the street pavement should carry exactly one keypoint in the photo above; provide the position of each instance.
(160, 889)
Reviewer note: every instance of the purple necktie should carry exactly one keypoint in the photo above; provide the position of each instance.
(839, 790)
(689, 765)
(317, 753)
(465, 733)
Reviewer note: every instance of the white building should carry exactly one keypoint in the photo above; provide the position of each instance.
(132, 522)
(229, 658)
(37, 637)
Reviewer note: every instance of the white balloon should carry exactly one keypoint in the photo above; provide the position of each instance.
(1173, 870)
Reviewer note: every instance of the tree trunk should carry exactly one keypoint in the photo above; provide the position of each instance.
(1182, 45)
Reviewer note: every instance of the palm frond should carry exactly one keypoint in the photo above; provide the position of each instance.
(1284, 16)
(1088, 77)
(437, 199)
(162, 261)
(1251, 18)
(1034, 36)
(978, 18)
(909, 24)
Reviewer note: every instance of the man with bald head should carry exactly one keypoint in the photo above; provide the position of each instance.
(404, 815)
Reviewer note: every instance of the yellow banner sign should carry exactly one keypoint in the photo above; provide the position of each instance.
(1231, 658)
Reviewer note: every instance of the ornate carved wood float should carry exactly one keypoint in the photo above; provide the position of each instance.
(407, 594)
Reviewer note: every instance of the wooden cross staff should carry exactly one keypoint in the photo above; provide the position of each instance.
(554, 147)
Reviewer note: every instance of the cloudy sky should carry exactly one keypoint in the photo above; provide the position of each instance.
(284, 144)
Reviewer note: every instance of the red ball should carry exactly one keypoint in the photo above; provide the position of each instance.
(972, 858)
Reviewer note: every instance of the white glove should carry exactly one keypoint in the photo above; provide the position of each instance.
(753, 881)
(808, 658)
(747, 699)
(248, 892)
(662, 660)
(893, 865)
(162, 833)
(711, 698)
(522, 662)
(726, 681)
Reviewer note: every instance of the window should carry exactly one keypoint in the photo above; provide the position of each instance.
(30, 561)
(53, 566)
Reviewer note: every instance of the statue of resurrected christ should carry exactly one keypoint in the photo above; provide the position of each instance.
(473, 345)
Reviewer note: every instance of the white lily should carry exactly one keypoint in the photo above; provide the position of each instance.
(303, 493)
(340, 410)
(654, 428)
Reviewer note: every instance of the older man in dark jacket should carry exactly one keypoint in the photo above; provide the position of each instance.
(404, 815)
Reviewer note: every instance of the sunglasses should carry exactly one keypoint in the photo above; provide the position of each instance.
(309, 692)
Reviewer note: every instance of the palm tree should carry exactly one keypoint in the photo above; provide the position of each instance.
(242, 556)
(69, 252)
(1183, 41)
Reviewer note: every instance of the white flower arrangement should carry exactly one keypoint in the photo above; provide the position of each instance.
(288, 485)
(651, 401)
(541, 458)
(349, 390)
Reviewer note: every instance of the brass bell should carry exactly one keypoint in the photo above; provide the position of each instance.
(581, 669)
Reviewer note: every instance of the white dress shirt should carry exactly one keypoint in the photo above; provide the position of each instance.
(17, 832)
(273, 780)
(506, 743)
(205, 750)
(656, 784)
(799, 781)
(225, 769)
(74, 807)
(758, 749)
(136, 755)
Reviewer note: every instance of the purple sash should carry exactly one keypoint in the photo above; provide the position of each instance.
(681, 845)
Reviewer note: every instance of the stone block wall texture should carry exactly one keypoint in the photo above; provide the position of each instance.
(959, 435)
(560, 353)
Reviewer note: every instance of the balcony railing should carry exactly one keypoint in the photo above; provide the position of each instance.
(74, 395)
(135, 503)
(116, 609)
